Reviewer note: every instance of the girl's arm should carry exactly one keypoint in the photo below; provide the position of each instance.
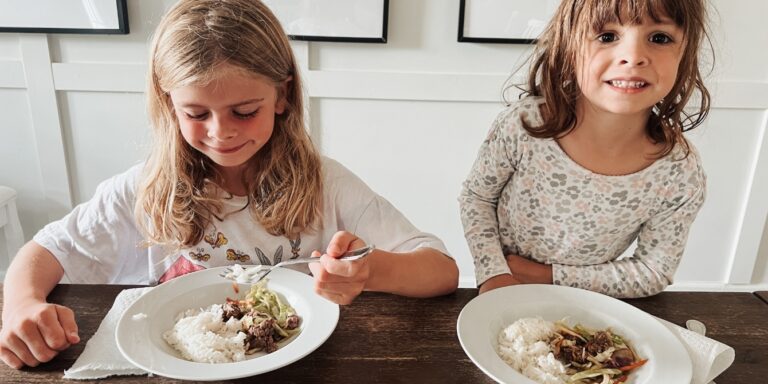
(424, 272)
(495, 165)
(660, 246)
(34, 331)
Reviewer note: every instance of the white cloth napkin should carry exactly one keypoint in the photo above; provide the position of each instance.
(709, 357)
(100, 357)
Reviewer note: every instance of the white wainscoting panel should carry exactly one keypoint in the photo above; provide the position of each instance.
(407, 116)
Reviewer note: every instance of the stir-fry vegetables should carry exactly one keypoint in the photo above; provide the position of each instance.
(266, 317)
(594, 356)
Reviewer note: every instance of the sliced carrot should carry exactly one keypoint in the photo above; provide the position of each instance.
(633, 365)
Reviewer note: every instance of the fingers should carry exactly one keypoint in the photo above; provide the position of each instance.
(52, 331)
(342, 268)
(341, 242)
(37, 336)
(16, 354)
(68, 324)
(339, 293)
(336, 298)
(30, 335)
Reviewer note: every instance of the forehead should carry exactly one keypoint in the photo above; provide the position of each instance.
(225, 87)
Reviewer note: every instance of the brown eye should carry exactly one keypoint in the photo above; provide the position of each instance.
(661, 38)
(607, 37)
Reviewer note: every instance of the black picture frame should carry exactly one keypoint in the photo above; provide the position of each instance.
(121, 8)
(465, 36)
(343, 36)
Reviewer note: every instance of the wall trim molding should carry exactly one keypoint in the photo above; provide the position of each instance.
(373, 85)
(752, 225)
(46, 122)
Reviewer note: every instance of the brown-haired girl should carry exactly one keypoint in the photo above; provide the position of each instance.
(593, 157)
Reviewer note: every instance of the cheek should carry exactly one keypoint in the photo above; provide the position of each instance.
(263, 128)
(192, 132)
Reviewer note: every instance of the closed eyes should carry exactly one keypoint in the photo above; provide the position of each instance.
(236, 114)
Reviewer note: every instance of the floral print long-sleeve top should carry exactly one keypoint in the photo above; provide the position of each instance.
(525, 196)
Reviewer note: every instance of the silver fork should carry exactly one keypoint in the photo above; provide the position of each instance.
(255, 274)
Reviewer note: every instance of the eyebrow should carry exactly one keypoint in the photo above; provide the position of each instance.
(249, 101)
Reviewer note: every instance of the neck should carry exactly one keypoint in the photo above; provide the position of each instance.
(233, 180)
(610, 132)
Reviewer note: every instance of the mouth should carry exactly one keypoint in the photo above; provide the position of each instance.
(627, 84)
(228, 149)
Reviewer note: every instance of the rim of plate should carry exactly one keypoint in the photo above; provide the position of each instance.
(480, 318)
(317, 327)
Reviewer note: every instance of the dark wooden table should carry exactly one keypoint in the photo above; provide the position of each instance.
(383, 338)
(763, 295)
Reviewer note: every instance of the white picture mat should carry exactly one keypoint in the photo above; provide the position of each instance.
(507, 19)
(332, 18)
(71, 14)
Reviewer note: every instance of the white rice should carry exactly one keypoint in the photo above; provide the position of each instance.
(524, 345)
(202, 336)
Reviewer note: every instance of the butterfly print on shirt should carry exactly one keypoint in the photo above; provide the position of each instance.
(235, 255)
(216, 240)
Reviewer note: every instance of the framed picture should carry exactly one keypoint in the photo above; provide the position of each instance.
(64, 16)
(504, 21)
(356, 21)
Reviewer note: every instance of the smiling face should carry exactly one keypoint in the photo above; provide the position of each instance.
(627, 69)
(230, 118)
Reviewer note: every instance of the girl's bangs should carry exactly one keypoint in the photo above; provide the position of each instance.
(633, 12)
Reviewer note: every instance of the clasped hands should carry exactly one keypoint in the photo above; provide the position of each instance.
(524, 271)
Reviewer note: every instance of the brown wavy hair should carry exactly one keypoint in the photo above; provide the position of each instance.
(177, 198)
(552, 74)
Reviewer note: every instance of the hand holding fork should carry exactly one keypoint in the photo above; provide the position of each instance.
(253, 275)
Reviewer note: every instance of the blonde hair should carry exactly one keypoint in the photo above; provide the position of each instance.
(553, 65)
(176, 201)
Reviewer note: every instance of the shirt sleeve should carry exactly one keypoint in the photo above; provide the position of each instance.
(495, 165)
(98, 240)
(374, 219)
(660, 245)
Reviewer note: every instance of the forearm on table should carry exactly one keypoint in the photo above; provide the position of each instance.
(33, 273)
(626, 278)
(425, 272)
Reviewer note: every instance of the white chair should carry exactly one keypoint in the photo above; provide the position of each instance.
(9, 222)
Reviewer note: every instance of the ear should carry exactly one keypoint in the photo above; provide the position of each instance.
(282, 96)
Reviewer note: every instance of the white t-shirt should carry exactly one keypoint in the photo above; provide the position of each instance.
(98, 242)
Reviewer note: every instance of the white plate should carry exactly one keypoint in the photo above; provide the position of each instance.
(141, 341)
(483, 318)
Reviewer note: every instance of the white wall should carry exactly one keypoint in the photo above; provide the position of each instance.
(407, 116)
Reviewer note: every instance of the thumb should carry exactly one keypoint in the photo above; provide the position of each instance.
(67, 321)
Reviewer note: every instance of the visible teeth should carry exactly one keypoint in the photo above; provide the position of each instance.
(627, 84)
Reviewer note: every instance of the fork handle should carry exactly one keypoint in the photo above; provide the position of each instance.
(308, 260)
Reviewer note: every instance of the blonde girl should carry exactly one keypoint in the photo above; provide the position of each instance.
(233, 178)
(593, 157)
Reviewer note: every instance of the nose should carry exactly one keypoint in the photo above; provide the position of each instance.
(634, 53)
(219, 130)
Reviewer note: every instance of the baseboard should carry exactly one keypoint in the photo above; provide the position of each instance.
(716, 287)
(469, 282)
